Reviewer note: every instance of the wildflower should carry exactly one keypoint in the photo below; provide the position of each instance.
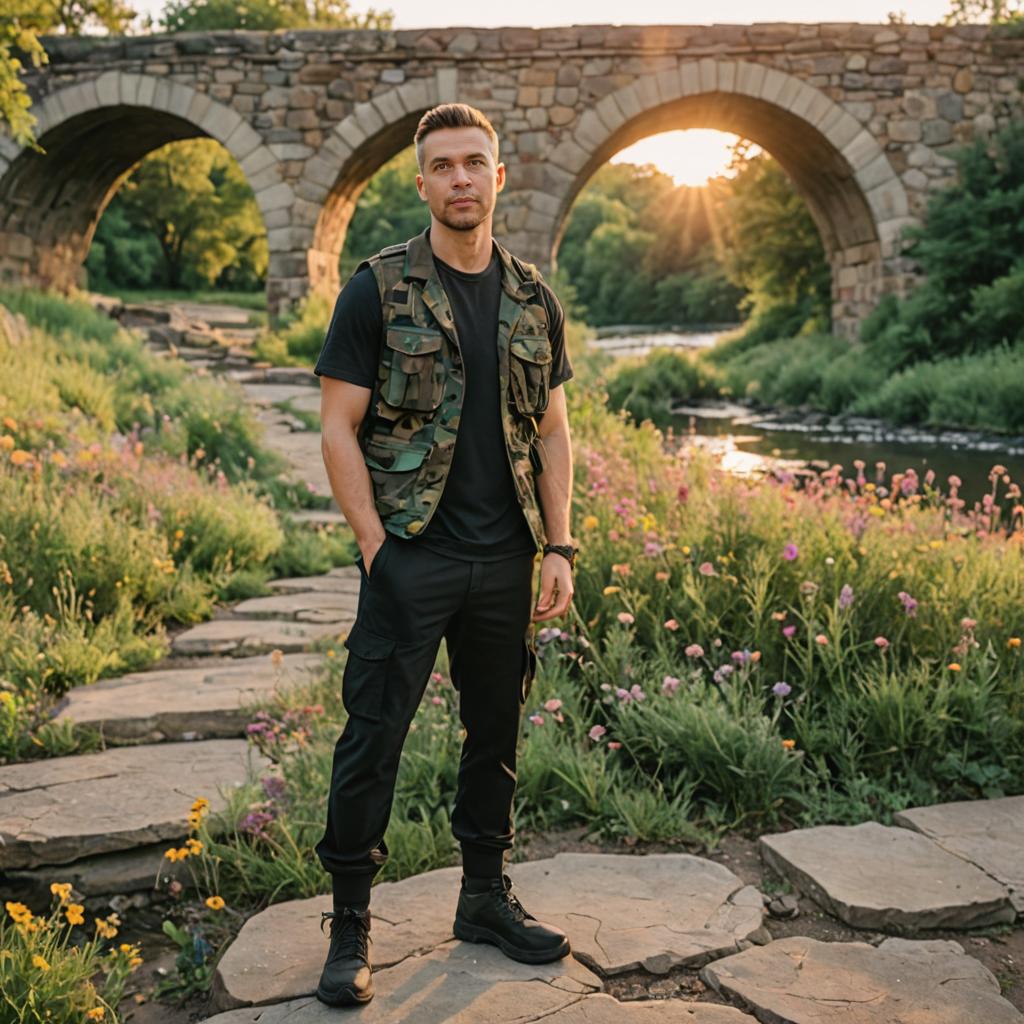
(830, 560)
(621, 568)
(881, 642)
(623, 694)
(552, 705)
(808, 587)
(610, 590)
(789, 744)
(6, 442)
(194, 819)
(968, 624)
(596, 732)
(953, 666)
(199, 805)
(548, 634)
(790, 551)
(96, 1013)
(10, 423)
(172, 854)
(706, 569)
(537, 719)
(669, 684)
(788, 631)
(19, 457)
(61, 889)
(215, 902)
(1014, 641)
(590, 522)
(694, 651)
(195, 846)
(846, 596)
(625, 618)
(614, 744)
(778, 616)
(637, 693)
(276, 657)
(40, 962)
(660, 575)
(436, 699)
(105, 929)
(741, 657)
(909, 604)
(782, 689)
(671, 624)
(722, 673)
(821, 639)
(74, 913)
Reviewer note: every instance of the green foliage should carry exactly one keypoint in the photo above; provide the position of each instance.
(1004, 15)
(267, 15)
(647, 387)
(297, 338)
(20, 28)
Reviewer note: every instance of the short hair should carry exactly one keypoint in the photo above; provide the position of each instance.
(452, 115)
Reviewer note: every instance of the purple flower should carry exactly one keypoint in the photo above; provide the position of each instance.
(782, 689)
(741, 657)
(255, 822)
(909, 604)
(273, 787)
(722, 673)
(846, 596)
(790, 551)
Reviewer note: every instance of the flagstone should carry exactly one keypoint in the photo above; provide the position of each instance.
(62, 809)
(875, 876)
(200, 702)
(333, 604)
(988, 833)
(343, 579)
(798, 980)
(243, 637)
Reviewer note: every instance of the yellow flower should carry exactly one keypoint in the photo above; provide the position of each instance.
(135, 961)
(953, 667)
(105, 929)
(200, 804)
(61, 889)
(194, 819)
(610, 590)
(215, 902)
(195, 846)
(96, 1013)
(789, 744)
(59, 459)
(590, 522)
(1014, 641)
(40, 962)
(19, 912)
(74, 913)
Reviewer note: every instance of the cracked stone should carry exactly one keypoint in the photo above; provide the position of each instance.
(59, 810)
(204, 702)
(803, 981)
(331, 605)
(873, 876)
(988, 833)
(470, 983)
(655, 912)
(243, 637)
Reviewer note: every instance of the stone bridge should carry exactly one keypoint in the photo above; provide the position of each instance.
(863, 118)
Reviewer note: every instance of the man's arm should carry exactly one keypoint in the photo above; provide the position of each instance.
(342, 408)
(554, 492)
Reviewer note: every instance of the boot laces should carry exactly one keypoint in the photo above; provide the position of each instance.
(350, 933)
(510, 902)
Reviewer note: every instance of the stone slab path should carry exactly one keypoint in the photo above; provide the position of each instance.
(242, 638)
(988, 833)
(872, 876)
(804, 981)
(182, 703)
(59, 810)
(620, 912)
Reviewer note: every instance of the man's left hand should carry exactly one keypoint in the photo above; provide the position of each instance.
(556, 587)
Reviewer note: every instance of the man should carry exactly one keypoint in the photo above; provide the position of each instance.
(446, 442)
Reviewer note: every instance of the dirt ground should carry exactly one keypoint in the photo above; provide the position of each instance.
(1000, 949)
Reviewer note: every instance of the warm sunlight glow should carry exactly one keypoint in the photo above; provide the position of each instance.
(690, 157)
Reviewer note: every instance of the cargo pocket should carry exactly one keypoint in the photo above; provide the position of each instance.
(366, 671)
(414, 371)
(394, 468)
(530, 372)
(529, 667)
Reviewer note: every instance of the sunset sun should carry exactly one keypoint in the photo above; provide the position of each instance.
(690, 157)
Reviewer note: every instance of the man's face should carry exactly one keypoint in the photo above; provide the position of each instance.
(460, 180)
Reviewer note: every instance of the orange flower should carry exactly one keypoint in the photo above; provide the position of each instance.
(19, 457)
(96, 1013)
(789, 744)
(74, 913)
(1014, 641)
(61, 889)
(6, 442)
(10, 423)
(215, 902)
(953, 666)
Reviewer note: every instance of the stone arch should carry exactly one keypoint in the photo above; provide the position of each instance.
(352, 152)
(855, 196)
(93, 134)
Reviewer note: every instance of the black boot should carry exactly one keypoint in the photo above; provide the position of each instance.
(497, 916)
(347, 978)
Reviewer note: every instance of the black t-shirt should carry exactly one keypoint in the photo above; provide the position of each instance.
(479, 516)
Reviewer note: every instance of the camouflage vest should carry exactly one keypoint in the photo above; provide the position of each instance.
(408, 435)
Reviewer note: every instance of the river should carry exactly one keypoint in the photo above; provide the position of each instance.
(750, 442)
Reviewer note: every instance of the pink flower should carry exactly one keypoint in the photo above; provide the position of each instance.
(821, 639)
(671, 624)
(789, 552)
(788, 630)
(881, 642)
(537, 719)
(623, 694)
(625, 618)
(614, 744)
(437, 677)
(669, 684)
(552, 705)
(694, 651)
(596, 732)
(706, 569)
(436, 700)
(637, 693)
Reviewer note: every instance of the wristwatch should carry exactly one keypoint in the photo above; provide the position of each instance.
(567, 551)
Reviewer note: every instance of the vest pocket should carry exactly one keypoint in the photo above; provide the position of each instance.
(394, 469)
(366, 672)
(529, 368)
(414, 372)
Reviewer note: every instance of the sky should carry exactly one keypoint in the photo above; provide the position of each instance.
(690, 157)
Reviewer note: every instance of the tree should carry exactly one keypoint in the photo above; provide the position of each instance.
(19, 38)
(221, 15)
(995, 12)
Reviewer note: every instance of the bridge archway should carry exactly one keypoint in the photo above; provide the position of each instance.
(854, 195)
(93, 134)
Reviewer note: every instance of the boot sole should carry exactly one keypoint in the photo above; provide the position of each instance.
(476, 933)
(347, 997)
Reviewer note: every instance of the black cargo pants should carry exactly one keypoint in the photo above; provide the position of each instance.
(412, 598)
